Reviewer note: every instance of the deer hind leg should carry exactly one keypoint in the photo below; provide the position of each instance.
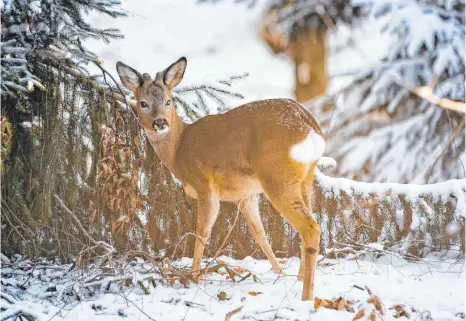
(208, 207)
(289, 201)
(306, 189)
(250, 209)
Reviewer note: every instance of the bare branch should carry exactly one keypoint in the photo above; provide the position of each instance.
(426, 93)
(108, 248)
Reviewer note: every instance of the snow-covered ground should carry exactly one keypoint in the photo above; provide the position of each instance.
(433, 288)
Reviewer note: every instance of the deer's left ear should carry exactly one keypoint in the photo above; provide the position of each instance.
(172, 75)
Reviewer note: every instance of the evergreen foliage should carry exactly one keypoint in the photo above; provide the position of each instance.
(379, 129)
(35, 30)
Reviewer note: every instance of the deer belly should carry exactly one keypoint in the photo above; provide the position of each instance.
(237, 189)
(231, 190)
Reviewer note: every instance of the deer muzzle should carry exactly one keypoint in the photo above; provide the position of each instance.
(160, 125)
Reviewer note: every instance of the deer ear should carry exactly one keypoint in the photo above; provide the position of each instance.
(172, 75)
(130, 78)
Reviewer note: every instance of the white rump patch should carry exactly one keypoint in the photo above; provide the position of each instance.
(310, 149)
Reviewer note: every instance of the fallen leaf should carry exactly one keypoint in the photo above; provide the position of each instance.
(254, 293)
(399, 311)
(340, 303)
(222, 296)
(238, 270)
(359, 315)
(377, 303)
(324, 303)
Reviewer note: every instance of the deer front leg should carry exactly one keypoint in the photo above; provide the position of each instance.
(250, 209)
(208, 207)
(302, 263)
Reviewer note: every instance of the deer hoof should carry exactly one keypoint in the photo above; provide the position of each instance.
(197, 277)
(279, 270)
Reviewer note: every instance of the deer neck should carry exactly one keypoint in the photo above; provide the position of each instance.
(166, 146)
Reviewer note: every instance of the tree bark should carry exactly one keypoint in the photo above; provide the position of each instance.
(309, 52)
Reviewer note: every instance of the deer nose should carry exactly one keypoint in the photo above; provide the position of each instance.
(159, 124)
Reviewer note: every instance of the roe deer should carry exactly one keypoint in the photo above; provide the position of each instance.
(268, 146)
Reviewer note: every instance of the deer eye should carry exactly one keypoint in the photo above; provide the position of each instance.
(168, 103)
(144, 104)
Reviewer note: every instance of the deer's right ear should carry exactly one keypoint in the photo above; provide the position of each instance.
(173, 74)
(130, 78)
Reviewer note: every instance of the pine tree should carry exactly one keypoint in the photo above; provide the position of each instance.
(381, 129)
(69, 134)
(41, 31)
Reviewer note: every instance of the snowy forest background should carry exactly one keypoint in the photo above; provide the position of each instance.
(385, 79)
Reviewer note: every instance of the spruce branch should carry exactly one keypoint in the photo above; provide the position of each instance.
(217, 92)
(426, 92)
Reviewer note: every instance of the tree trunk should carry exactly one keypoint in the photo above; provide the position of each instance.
(308, 50)
(310, 55)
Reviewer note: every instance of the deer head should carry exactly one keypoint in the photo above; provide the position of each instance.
(155, 108)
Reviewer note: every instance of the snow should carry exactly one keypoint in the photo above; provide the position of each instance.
(35, 7)
(375, 246)
(453, 228)
(430, 285)
(445, 189)
(327, 162)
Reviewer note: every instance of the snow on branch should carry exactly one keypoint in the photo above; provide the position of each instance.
(32, 26)
(410, 218)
